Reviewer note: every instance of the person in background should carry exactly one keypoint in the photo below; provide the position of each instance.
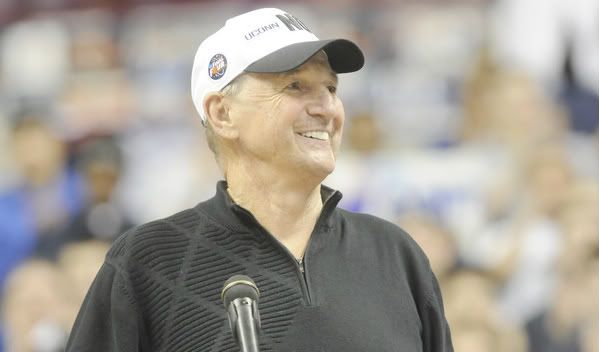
(34, 309)
(331, 280)
(45, 197)
(435, 240)
(42, 297)
(564, 325)
(100, 163)
(474, 317)
(78, 263)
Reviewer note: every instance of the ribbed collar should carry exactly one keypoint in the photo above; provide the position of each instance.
(222, 209)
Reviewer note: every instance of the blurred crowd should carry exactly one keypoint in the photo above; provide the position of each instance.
(474, 126)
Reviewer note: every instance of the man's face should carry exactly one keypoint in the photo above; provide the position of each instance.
(292, 122)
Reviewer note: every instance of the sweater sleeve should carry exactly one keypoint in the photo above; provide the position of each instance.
(107, 320)
(436, 336)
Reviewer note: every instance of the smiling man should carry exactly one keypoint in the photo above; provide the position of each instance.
(330, 280)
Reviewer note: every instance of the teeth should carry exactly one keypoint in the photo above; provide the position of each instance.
(321, 135)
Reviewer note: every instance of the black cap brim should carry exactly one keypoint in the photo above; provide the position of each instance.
(344, 56)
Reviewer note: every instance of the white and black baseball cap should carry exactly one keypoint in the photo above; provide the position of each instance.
(267, 40)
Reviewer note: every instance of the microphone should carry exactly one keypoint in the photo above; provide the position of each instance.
(240, 296)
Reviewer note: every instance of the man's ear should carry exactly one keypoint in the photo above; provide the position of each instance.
(217, 114)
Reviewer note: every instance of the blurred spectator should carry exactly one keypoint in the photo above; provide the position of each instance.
(557, 328)
(476, 306)
(510, 109)
(48, 193)
(42, 299)
(521, 238)
(473, 315)
(360, 163)
(581, 102)
(476, 338)
(364, 134)
(534, 35)
(590, 322)
(565, 325)
(79, 263)
(436, 242)
(34, 309)
(531, 245)
(478, 95)
(99, 161)
(578, 217)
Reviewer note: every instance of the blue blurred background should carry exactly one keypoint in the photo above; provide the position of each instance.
(473, 125)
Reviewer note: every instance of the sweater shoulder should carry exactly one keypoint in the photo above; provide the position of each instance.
(382, 235)
(372, 225)
(180, 224)
(381, 238)
(159, 245)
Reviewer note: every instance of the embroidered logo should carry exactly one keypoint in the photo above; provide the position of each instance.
(217, 66)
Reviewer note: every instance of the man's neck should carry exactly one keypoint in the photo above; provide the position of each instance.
(288, 210)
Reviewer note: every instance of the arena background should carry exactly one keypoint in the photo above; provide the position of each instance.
(473, 125)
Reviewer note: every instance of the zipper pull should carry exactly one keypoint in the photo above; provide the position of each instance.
(300, 262)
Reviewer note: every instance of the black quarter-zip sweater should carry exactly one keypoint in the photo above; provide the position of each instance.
(367, 286)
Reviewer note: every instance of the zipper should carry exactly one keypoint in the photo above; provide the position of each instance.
(300, 264)
(327, 207)
(300, 261)
(300, 268)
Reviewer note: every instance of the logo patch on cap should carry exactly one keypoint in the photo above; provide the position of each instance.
(217, 66)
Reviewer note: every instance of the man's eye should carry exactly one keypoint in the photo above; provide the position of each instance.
(294, 85)
(332, 89)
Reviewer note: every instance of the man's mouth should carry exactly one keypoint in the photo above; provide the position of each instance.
(320, 135)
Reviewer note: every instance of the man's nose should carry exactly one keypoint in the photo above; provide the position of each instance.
(322, 103)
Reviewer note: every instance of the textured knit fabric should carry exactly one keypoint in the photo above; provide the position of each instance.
(367, 286)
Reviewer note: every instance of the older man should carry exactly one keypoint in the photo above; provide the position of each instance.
(330, 280)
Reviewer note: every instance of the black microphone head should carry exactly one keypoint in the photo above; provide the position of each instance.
(238, 286)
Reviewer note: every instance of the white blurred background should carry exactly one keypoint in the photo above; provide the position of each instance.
(474, 125)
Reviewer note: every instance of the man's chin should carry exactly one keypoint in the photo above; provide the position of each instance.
(321, 170)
